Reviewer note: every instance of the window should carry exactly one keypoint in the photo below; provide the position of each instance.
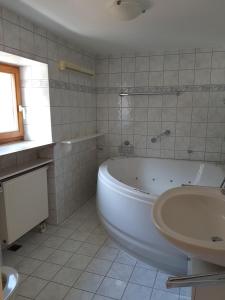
(11, 119)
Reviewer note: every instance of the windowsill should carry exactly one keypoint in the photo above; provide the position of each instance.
(14, 147)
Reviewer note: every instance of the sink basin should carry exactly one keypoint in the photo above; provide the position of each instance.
(193, 220)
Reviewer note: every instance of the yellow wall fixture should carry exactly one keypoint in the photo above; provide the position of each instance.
(63, 65)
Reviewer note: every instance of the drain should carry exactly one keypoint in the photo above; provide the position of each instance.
(216, 239)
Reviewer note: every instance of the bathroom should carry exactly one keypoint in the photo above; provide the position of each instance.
(119, 104)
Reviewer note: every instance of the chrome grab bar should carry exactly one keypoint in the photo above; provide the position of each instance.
(200, 280)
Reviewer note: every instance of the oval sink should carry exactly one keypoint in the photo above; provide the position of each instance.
(193, 219)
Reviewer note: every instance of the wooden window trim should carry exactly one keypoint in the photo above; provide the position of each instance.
(7, 137)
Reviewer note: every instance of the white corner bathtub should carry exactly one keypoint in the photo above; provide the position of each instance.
(126, 191)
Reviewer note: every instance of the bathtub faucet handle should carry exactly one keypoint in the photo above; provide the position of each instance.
(166, 133)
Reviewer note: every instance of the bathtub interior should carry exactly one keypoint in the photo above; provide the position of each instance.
(155, 176)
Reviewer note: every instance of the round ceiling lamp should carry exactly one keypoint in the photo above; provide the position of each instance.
(128, 9)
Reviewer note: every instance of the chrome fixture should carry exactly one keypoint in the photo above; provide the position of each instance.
(196, 280)
(189, 151)
(125, 93)
(126, 148)
(166, 133)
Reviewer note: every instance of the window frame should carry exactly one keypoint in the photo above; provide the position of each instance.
(7, 137)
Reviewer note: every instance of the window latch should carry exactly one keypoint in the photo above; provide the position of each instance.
(22, 110)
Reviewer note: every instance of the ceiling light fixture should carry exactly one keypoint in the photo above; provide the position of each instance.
(128, 9)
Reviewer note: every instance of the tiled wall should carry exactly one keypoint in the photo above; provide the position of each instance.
(36, 102)
(72, 105)
(196, 118)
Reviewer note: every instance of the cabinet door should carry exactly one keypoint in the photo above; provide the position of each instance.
(25, 203)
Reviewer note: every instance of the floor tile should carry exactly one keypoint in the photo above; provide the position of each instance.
(22, 277)
(87, 227)
(28, 265)
(111, 243)
(72, 224)
(59, 257)
(125, 258)
(67, 276)
(89, 282)
(51, 229)
(70, 245)
(54, 242)
(113, 288)
(161, 295)
(160, 283)
(99, 266)
(41, 253)
(18, 297)
(88, 249)
(143, 276)
(35, 238)
(46, 271)
(53, 291)
(186, 291)
(26, 249)
(78, 261)
(99, 230)
(120, 271)
(99, 297)
(31, 287)
(75, 294)
(11, 259)
(107, 253)
(135, 292)
(70, 262)
(64, 232)
(79, 236)
(146, 266)
(96, 239)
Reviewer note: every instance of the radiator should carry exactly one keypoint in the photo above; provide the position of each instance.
(23, 204)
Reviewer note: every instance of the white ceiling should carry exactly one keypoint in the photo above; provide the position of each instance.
(169, 24)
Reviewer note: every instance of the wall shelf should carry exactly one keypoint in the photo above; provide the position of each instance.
(13, 171)
(124, 94)
(15, 147)
(63, 65)
(82, 138)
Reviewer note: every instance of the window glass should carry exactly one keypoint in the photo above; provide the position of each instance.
(8, 103)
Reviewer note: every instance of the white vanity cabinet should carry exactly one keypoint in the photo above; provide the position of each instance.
(23, 203)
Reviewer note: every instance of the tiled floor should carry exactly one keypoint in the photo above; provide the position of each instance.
(78, 261)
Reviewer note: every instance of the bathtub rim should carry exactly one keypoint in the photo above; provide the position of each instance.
(114, 183)
(147, 197)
